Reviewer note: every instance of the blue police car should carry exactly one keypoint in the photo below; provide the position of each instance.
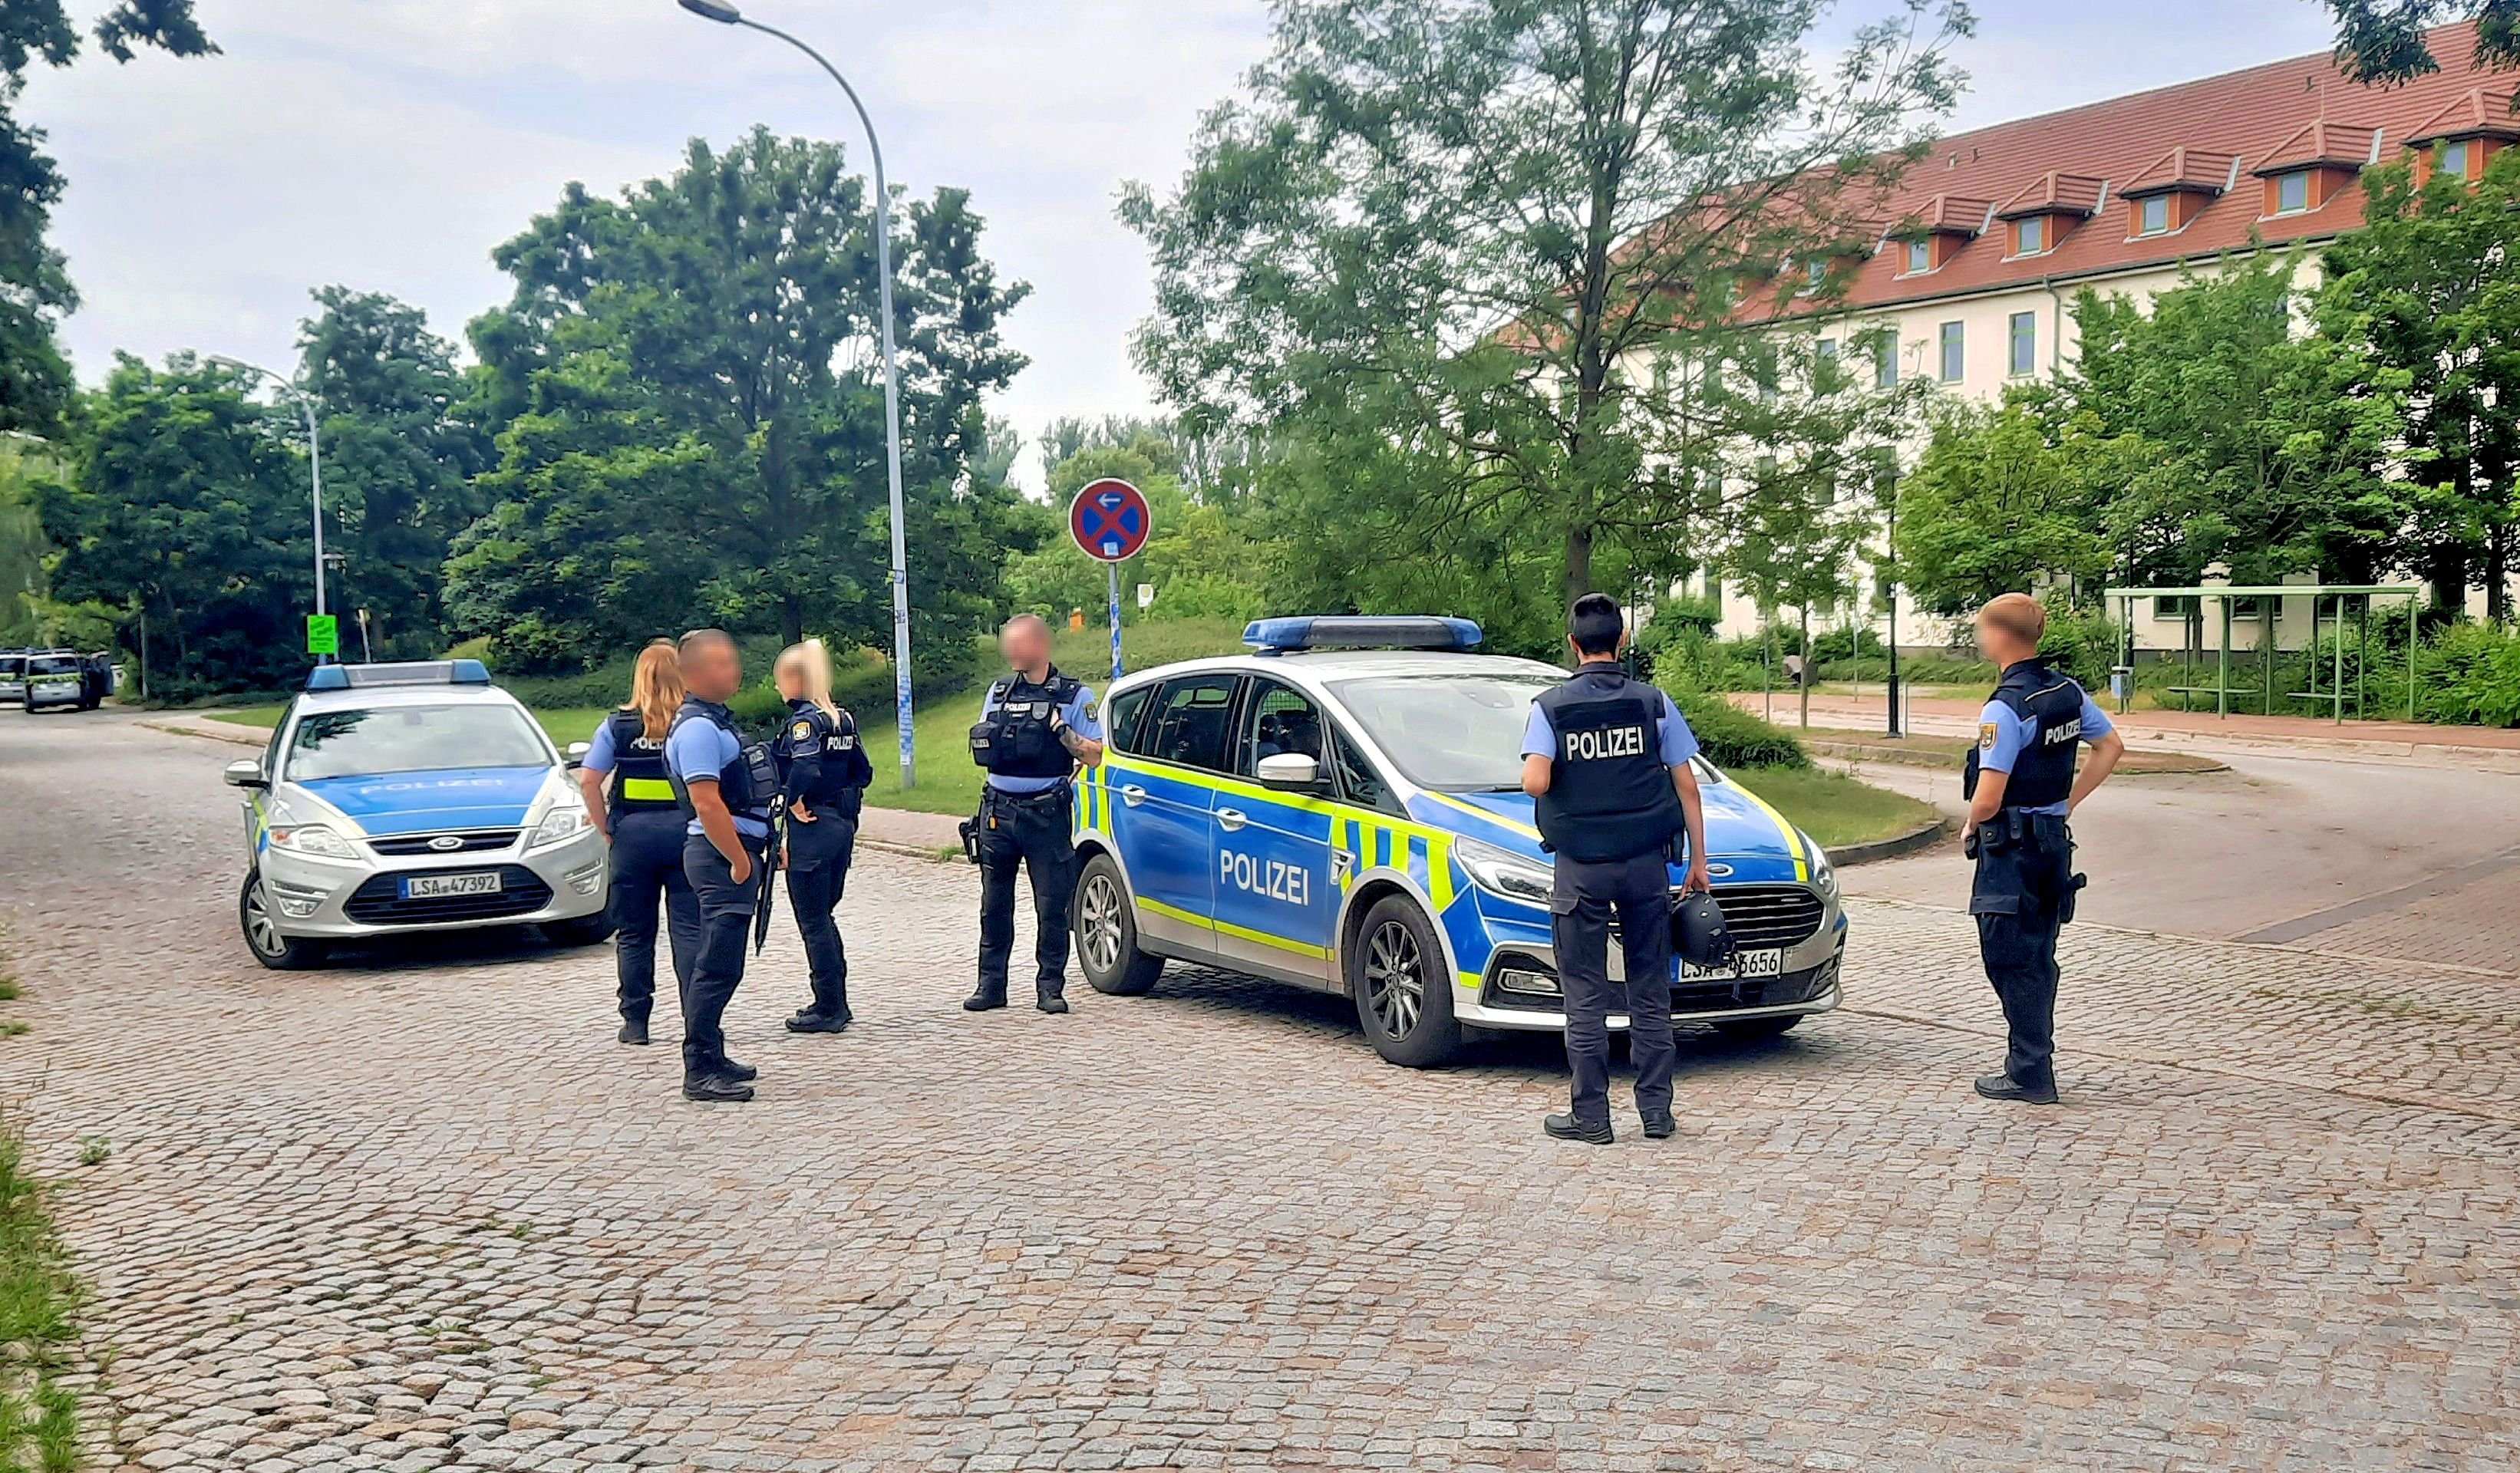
(397, 798)
(1342, 809)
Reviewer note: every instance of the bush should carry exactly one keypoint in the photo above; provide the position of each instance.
(2083, 644)
(2473, 678)
(1731, 736)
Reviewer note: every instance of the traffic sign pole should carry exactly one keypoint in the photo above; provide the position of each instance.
(1113, 570)
(1110, 521)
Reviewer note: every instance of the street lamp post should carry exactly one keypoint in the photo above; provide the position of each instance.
(307, 404)
(728, 15)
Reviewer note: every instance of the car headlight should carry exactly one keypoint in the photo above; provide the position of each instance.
(566, 821)
(312, 839)
(1503, 874)
(1823, 873)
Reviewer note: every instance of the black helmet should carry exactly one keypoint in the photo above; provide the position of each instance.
(1697, 928)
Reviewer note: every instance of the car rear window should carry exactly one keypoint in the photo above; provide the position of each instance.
(53, 664)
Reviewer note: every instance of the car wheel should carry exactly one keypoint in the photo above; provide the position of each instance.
(584, 931)
(282, 953)
(1105, 932)
(1395, 972)
(1750, 1030)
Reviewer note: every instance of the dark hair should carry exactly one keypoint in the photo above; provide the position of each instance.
(698, 637)
(1593, 623)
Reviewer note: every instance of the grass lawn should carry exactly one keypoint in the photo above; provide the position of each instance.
(1833, 808)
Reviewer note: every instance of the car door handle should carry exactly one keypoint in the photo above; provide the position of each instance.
(1231, 817)
(1133, 796)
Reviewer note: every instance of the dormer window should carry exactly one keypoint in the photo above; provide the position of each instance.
(2454, 157)
(1920, 257)
(2318, 161)
(2152, 217)
(2166, 195)
(2292, 192)
(2030, 237)
(2045, 210)
(2464, 135)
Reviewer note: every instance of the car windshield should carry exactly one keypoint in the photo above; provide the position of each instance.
(1456, 733)
(413, 740)
(56, 664)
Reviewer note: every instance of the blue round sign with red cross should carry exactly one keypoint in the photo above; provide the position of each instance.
(1109, 519)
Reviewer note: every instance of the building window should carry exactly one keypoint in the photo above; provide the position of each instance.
(1815, 273)
(2152, 217)
(2247, 608)
(2174, 606)
(2292, 192)
(2454, 157)
(1714, 590)
(2030, 237)
(1920, 257)
(1885, 366)
(1828, 350)
(1954, 356)
(2023, 357)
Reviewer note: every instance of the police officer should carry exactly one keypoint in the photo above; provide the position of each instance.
(725, 789)
(630, 800)
(2021, 786)
(1036, 727)
(1607, 760)
(822, 779)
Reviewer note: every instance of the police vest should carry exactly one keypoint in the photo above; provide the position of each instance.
(821, 761)
(1609, 797)
(746, 783)
(1015, 739)
(2043, 773)
(640, 782)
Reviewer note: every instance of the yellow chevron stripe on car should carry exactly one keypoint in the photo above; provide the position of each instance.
(1299, 948)
(1370, 843)
(1792, 836)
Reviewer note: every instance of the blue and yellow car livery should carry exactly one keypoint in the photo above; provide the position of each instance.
(1342, 810)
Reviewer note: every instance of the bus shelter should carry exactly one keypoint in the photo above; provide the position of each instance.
(2330, 605)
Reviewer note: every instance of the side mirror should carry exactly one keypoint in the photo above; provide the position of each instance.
(1290, 772)
(245, 773)
(577, 751)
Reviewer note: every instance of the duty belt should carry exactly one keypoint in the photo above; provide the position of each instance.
(999, 794)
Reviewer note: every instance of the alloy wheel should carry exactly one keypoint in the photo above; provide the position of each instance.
(1102, 917)
(1395, 978)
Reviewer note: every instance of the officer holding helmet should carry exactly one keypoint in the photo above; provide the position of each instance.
(725, 787)
(1036, 728)
(2022, 786)
(1607, 759)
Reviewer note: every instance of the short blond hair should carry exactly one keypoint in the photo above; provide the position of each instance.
(2017, 614)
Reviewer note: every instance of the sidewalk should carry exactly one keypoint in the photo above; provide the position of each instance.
(2477, 749)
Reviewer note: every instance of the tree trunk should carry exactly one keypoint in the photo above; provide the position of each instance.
(792, 621)
(1809, 672)
(2497, 573)
(1579, 562)
(2446, 570)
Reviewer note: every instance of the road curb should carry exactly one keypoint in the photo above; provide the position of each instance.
(1922, 836)
(207, 733)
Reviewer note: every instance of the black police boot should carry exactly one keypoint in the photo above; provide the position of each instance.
(810, 1020)
(715, 1089)
(1660, 1127)
(2005, 1086)
(1569, 1127)
(985, 1000)
(634, 1031)
(1051, 1001)
(743, 1074)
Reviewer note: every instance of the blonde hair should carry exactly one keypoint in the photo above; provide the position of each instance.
(655, 687)
(2017, 615)
(813, 666)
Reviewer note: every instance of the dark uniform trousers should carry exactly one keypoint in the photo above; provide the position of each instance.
(818, 871)
(1038, 832)
(2023, 896)
(725, 910)
(647, 866)
(1638, 891)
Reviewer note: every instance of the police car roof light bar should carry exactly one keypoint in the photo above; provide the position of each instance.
(405, 673)
(1287, 636)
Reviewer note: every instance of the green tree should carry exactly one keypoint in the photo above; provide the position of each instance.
(398, 461)
(1994, 504)
(690, 414)
(2382, 41)
(1202, 561)
(1453, 228)
(2427, 298)
(25, 464)
(189, 507)
(35, 291)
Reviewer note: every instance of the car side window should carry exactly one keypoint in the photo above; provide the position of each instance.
(270, 750)
(1120, 717)
(1359, 784)
(1278, 721)
(1191, 723)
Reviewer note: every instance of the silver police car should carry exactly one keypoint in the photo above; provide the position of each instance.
(411, 797)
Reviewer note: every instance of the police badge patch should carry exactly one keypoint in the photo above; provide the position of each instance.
(1986, 735)
(801, 731)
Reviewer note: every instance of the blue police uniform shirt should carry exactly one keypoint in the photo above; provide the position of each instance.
(2000, 736)
(1679, 743)
(1079, 715)
(600, 753)
(697, 753)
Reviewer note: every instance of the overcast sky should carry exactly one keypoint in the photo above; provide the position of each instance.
(389, 144)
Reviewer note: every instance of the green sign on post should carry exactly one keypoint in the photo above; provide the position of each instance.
(323, 633)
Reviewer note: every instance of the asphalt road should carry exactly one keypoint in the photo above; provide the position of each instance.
(420, 1211)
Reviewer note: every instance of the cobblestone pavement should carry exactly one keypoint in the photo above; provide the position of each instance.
(420, 1211)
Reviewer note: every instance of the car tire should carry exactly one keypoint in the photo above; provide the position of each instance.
(1752, 1030)
(1404, 1000)
(281, 953)
(584, 931)
(1103, 928)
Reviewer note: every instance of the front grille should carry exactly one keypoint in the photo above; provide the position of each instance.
(1763, 918)
(470, 842)
(379, 901)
